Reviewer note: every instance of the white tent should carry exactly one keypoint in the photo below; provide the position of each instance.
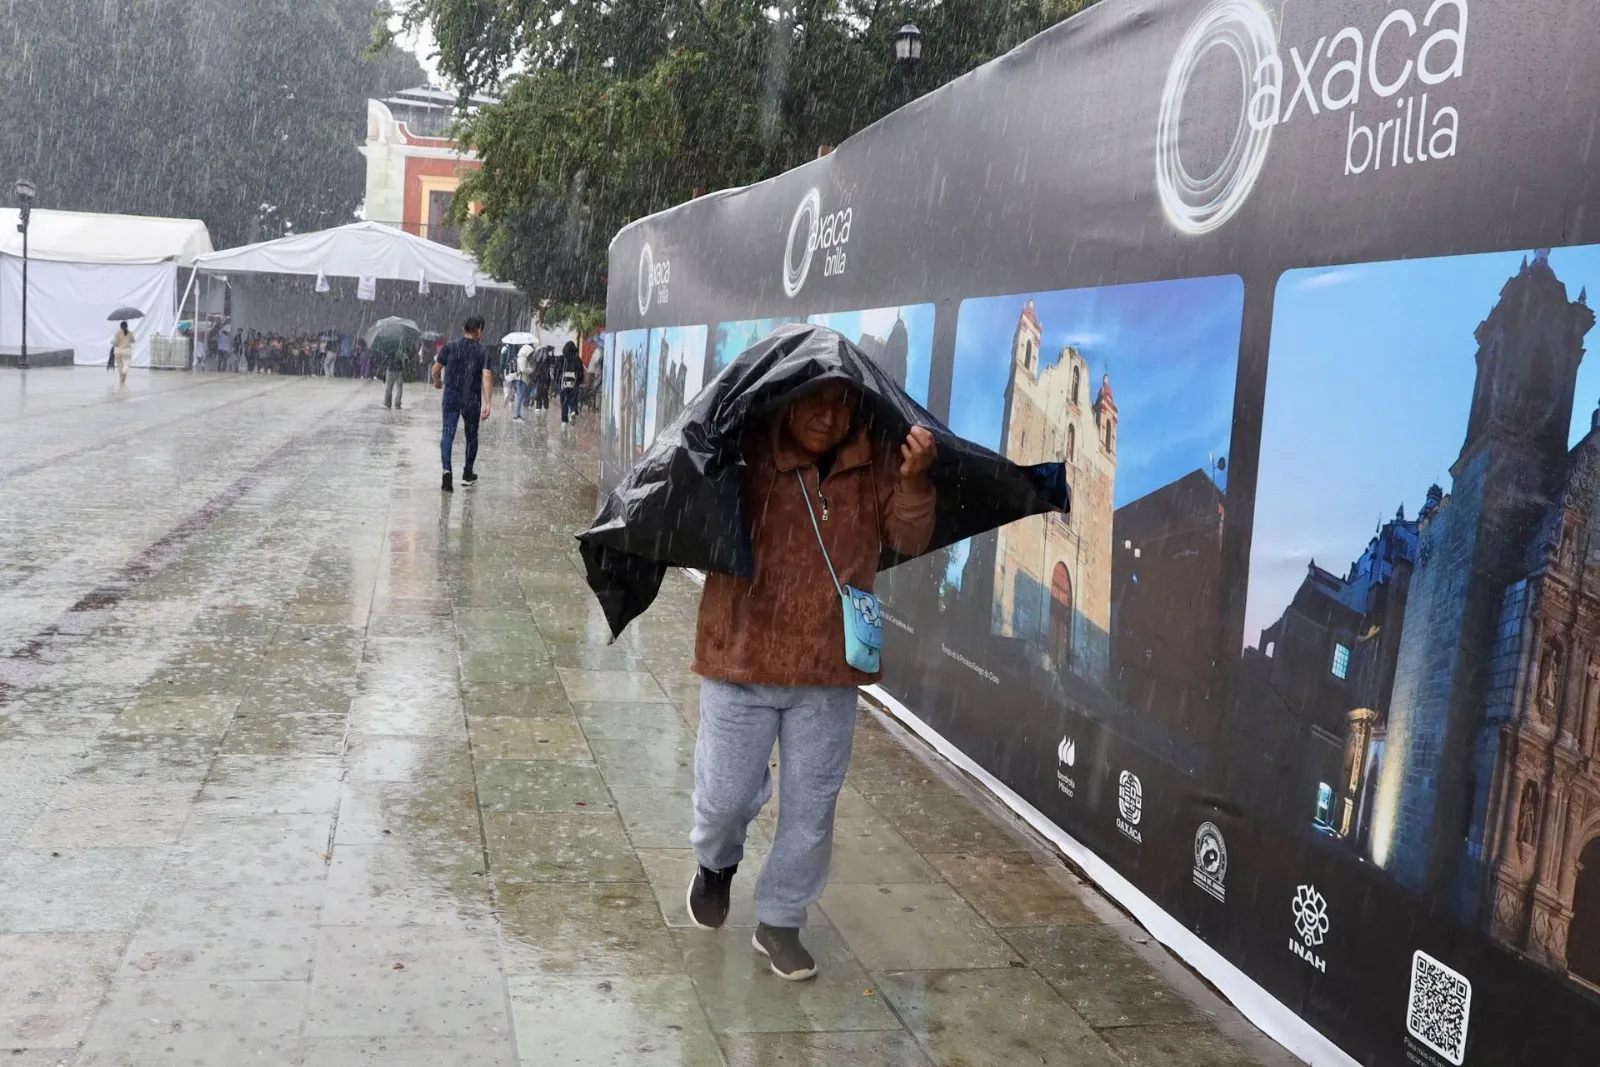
(359, 250)
(84, 266)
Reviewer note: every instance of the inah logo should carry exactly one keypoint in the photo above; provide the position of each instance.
(1198, 204)
(1311, 923)
(810, 230)
(1067, 752)
(1066, 758)
(653, 279)
(1210, 860)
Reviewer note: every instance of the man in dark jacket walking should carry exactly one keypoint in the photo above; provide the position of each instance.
(464, 371)
(569, 379)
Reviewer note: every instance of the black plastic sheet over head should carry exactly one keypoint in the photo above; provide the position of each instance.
(681, 504)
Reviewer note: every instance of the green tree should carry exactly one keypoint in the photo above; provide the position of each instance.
(618, 110)
(197, 108)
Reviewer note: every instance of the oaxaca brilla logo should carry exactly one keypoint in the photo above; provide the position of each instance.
(816, 227)
(1382, 91)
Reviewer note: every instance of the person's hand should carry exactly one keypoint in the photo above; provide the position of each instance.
(485, 416)
(917, 453)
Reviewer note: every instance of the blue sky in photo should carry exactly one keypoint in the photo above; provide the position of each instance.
(731, 338)
(878, 322)
(1171, 348)
(683, 342)
(1368, 390)
(625, 340)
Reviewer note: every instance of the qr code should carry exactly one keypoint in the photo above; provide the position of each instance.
(1440, 1008)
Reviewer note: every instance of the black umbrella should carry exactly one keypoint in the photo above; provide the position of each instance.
(681, 505)
(392, 332)
(122, 314)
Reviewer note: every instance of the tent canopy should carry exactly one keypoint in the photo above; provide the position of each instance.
(359, 250)
(81, 237)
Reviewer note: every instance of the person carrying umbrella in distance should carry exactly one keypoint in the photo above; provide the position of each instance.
(390, 340)
(122, 341)
(464, 371)
(793, 478)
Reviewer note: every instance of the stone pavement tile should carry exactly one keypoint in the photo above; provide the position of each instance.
(581, 655)
(588, 1022)
(270, 943)
(399, 715)
(540, 695)
(913, 927)
(742, 995)
(198, 1024)
(437, 627)
(376, 758)
(261, 785)
(91, 814)
(527, 737)
(88, 890)
(299, 696)
(381, 981)
(531, 847)
(261, 864)
(1100, 976)
(42, 1057)
(604, 928)
(1191, 1045)
(436, 812)
(671, 869)
(399, 885)
(350, 612)
(50, 986)
(567, 624)
(624, 686)
(943, 822)
(543, 786)
(481, 665)
(175, 716)
(869, 850)
(993, 1018)
(864, 1048)
(1012, 889)
(411, 605)
(658, 818)
(880, 764)
(663, 763)
(407, 1052)
(478, 621)
(285, 735)
(631, 722)
(682, 686)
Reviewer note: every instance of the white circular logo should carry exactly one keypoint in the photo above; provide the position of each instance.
(1198, 204)
(804, 226)
(647, 284)
(1130, 797)
(1210, 852)
(1310, 915)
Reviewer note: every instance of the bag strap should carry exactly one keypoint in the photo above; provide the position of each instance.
(806, 495)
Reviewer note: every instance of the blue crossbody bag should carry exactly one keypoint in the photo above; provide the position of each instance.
(863, 627)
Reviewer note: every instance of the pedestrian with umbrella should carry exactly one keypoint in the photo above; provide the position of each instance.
(797, 474)
(122, 341)
(390, 340)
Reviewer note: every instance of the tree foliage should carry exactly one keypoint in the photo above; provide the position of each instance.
(205, 109)
(620, 109)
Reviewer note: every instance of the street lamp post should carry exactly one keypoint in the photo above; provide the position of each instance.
(907, 57)
(25, 192)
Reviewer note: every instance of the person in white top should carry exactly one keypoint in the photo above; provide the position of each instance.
(524, 378)
(122, 349)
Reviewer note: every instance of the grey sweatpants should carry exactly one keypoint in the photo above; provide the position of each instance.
(394, 387)
(814, 729)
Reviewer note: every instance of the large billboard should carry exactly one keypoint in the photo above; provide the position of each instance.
(1310, 677)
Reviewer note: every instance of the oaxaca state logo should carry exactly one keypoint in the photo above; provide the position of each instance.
(813, 229)
(1130, 805)
(653, 279)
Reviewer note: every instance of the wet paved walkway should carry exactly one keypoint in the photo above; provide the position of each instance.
(303, 762)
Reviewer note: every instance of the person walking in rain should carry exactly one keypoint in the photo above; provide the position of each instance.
(466, 374)
(391, 353)
(823, 496)
(122, 351)
(569, 379)
(524, 380)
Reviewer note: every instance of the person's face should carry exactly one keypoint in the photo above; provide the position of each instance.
(820, 420)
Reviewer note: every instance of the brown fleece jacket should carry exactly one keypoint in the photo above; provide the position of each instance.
(786, 627)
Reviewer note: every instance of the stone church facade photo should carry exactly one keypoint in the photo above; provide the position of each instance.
(1047, 580)
(1466, 645)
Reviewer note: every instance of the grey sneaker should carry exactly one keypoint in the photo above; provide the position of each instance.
(781, 945)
